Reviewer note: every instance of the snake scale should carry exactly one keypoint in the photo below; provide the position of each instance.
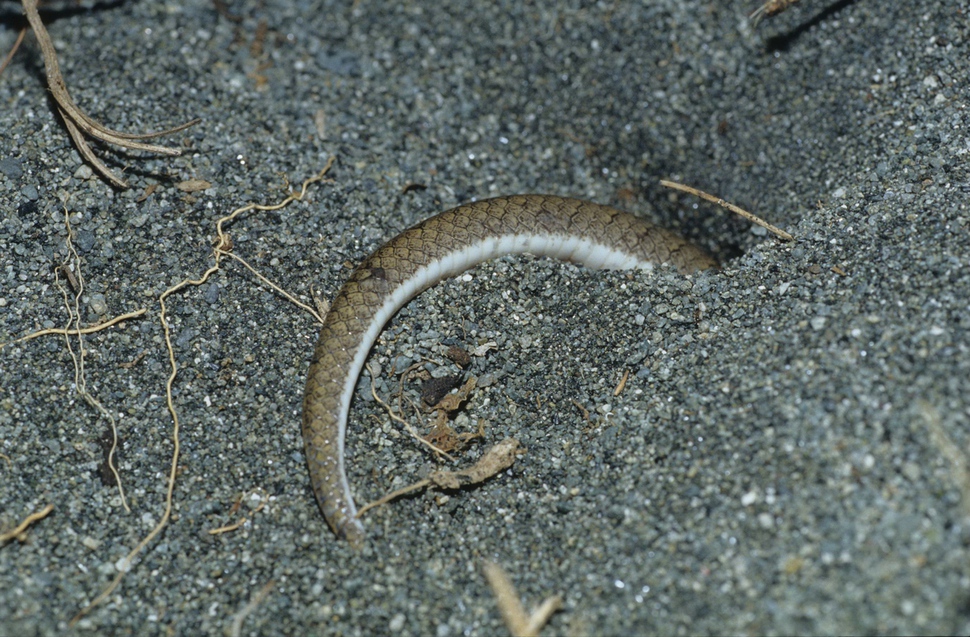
(587, 233)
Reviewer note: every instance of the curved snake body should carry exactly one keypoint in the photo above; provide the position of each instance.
(590, 234)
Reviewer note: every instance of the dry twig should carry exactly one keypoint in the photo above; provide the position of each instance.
(519, 623)
(735, 209)
(13, 49)
(77, 331)
(30, 519)
(78, 123)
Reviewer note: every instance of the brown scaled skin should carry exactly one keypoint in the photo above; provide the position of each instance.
(424, 255)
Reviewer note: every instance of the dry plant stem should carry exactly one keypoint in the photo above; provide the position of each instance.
(30, 519)
(88, 154)
(219, 250)
(735, 209)
(78, 122)
(13, 49)
(224, 243)
(540, 616)
(289, 297)
(509, 604)
(519, 623)
(393, 495)
(74, 332)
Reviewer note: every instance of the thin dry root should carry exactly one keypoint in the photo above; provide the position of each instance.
(218, 253)
(741, 212)
(20, 531)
